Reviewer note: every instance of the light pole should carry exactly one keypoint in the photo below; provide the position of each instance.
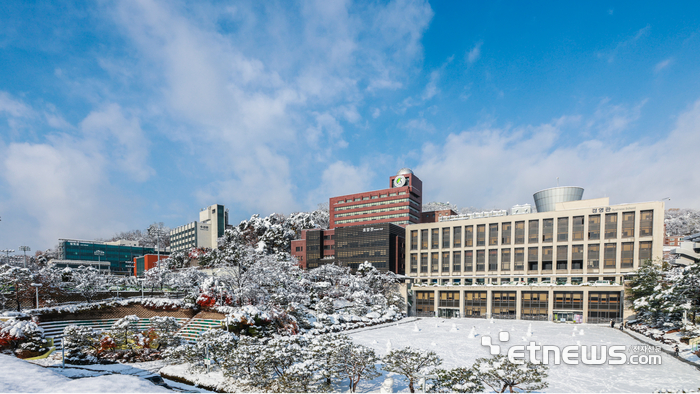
(37, 286)
(7, 252)
(99, 254)
(25, 249)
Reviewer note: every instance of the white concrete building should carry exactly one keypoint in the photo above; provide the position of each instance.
(203, 234)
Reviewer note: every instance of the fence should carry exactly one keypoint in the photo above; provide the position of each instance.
(10, 301)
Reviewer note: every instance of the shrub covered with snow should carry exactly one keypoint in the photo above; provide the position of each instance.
(24, 337)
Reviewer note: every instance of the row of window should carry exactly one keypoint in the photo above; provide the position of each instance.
(372, 197)
(566, 228)
(543, 258)
(376, 210)
(398, 215)
(377, 203)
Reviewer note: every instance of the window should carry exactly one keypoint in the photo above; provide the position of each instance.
(434, 262)
(505, 259)
(610, 225)
(456, 261)
(493, 234)
(423, 262)
(375, 197)
(627, 224)
(468, 261)
(503, 304)
(300, 248)
(414, 263)
(435, 238)
(480, 260)
(481, 235)
(562, 257)
(547, 258)
(445, 237)
(414, 240)
(534, 305)
(593, 256)
(627, 255)
(505, 234)
(646, 223)
(563, 230)
(424, 239)
(644, 251)
(365, 198)
(445, 262)
(519, 261)
(533, 231)
(577, 231)
(547, 230)
(457, 237)
(593, 227)
(493, 259)
(532, 259)
(519, 233)
(449, 299)
(469, 236)
(425, 303)
(577, 257)
(610, 260)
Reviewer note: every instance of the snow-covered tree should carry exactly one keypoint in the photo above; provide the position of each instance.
(357, 362)
(456, 380)
(81, 344)
(217, 345)
(147, 237)
(123, 329)
(327, 350)
(165, 328)
(158, 276)
(682, 221)
(24, 337)
(88, 281)
(500, 374)
(410, 363)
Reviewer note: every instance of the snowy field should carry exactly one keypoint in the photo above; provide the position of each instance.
(450, 340)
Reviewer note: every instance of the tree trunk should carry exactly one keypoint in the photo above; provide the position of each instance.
(410, 386)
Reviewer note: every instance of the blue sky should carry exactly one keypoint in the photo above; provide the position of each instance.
(114, 115)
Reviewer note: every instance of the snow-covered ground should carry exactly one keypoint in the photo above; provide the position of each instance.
(450, 340)
(20, 376)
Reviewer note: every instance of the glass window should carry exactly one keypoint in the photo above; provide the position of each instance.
(414, 263)
(445, 262)
(577, 233)
(519, 233)
(563, 230)
(457, 237)
(424, 239)
(519, 261)
(434, 262)
(627, 255)
(593, 256)
(414, 240)
(505, 259)
(577, 257)
(547, 230)
(493, 259)
(644, 251)
(593, 227)
(627, 224)
(610, 256)
(457, 261)
(505, 234)
(646, 223)
(610, 225)
(547, 258)
(481, 235)
(423, 262)
(445, 237)
(435, 238)
(562, 257)
(493, 234)
(469, 236)
(532, 259)
(480, 260)
(533, 231)
(468, 261)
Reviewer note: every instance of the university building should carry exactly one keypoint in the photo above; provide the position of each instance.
(109, 257)
(213, 221)
(367, 226)
(567, 261)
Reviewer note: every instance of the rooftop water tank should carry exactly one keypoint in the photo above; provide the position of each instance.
(546, 200)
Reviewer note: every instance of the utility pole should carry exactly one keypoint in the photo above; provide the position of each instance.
(7, 253)
(25, 249)
(99, 254)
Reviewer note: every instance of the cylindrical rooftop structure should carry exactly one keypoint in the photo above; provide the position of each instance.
(546, 200)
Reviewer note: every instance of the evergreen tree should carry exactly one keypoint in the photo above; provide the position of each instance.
(457, 380)
(500, 374)
(357, 362)
(410, 363)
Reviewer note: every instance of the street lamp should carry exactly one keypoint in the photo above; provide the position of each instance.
(25, 249)
(7, 252)
(99, 254)
(37, 286)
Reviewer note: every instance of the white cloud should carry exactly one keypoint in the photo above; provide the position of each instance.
(341, 178)
(419, 124)
(662, 64)
(475, 53)
(610, 56)
(610, 118)
(497, 168)
(13, 107)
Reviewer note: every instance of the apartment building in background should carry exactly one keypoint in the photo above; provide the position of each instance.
(205, 233)
(564, 262)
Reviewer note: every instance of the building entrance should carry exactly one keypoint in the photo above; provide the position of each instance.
(568, 316)
(448, 313)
